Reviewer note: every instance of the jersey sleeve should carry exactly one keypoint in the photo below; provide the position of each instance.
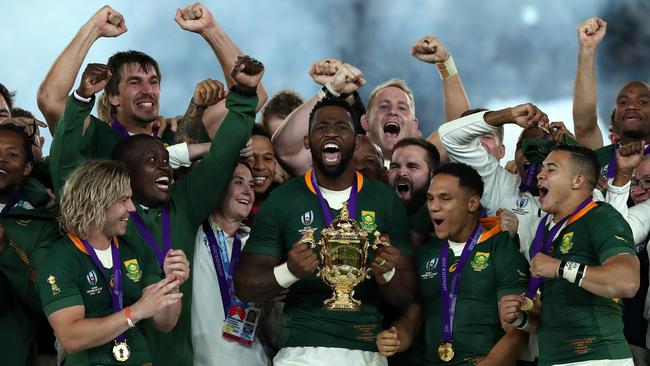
(510, 266)
(266, 235)
(57, 283)
(460, 139)
(611, 239)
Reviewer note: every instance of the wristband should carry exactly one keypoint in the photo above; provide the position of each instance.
(198, 107)
(389, 275)
(78, 97)
(447, 68)
(572, 271)
(522, 320)
(127, 313)
(330, 93)
(283, 275)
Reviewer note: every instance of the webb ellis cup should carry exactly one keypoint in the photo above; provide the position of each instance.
(344, 253)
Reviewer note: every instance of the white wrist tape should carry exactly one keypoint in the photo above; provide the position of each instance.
(447, 68)
(283, 275)
(521, 321)
(389, 275)
(331, 90)
(80, 98)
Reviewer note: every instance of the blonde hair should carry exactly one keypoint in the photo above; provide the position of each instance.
(395, 83)
(88, 192)
(104, 108)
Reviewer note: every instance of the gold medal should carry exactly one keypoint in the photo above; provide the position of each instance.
(446, 351)
(527, 304)
(121, 351)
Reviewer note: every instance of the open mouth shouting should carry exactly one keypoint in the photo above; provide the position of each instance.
(392, 130)
(403, 188)
(331, 153)
(163, 182)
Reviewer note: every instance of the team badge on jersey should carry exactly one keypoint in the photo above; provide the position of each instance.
(55, 288)
(133, 271)
(430, 269)
(368, 221)
(480, 261)
(307, 218)
(567, 243)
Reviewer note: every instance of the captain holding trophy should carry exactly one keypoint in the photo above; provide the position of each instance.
(361, 230)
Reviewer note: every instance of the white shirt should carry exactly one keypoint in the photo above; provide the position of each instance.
(210, 348)
(460, 139)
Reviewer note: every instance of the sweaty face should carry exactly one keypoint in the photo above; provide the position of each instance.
(367, 160)
(117, 215)
(390, 118)
(239, 199)
(492, 144)
(263, 163)
(139, 94)
(450, 207)
(151, 175)
(13, 161)
(640, 188)
(409, 176)
(554, 181)
(5, 113)
(331, 140)
(632, 113)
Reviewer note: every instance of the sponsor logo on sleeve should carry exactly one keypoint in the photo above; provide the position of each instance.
(55, 288)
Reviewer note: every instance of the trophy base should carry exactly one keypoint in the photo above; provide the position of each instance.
(341, 302)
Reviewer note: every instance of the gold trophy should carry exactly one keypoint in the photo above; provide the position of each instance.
(344, 253)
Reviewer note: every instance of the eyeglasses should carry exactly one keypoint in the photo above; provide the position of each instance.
(643, 182)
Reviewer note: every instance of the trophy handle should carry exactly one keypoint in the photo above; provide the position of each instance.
(308, 238)
(378, 243)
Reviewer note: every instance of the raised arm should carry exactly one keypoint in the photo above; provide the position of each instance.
(54, 90)
(198, 19)
(432, 51)
(585, 119)
(288, 140)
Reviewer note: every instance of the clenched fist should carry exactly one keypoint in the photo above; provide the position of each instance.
(430, 50)
(208, 92)
(591, 32)
(347, 80)
(94, 79)
(108, 22)
(247, 72)
(194, 18)
(323, 71)
(528, 114)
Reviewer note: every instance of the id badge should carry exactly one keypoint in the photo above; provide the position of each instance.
(241, 323)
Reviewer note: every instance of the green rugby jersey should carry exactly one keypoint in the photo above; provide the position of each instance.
(577, 325)
(69, 278)
(291, 209)
(495, 268)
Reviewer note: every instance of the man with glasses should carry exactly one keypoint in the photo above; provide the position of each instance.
(640, 184)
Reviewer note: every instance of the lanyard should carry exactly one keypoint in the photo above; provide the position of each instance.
(352, 200)
(148, 237)
(542, 243)
(13, 200)
(529, 179)
(224, 267)
(450, 295)
(116, 286)
(116, 125)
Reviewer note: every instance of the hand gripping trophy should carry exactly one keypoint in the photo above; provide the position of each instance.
(343, 255)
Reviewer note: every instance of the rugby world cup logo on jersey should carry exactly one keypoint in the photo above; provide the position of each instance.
(430, 269)
(522, 202)
(307, 218)
(91, 277)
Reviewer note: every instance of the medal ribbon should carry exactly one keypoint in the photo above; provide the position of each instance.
(542, 243)
(352, 200)
(448, 295)
(116, 125)
(224, 267)
(148, 237)
(116, 287)
(13, 200)
(531, 174)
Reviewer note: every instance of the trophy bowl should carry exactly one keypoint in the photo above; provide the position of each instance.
(344, 253)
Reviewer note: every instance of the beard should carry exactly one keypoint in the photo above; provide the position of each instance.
(418, 198)
(333, 171)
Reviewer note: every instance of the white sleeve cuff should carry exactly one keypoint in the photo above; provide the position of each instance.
(80, 98)
(179, 155)
(284, 276)
(624, 189)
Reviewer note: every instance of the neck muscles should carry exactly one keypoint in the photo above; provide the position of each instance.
(97, 239)
(569, 206)
(468, 227)
(338, 183)
(228, 225)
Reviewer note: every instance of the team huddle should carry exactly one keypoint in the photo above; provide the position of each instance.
(331, 232)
